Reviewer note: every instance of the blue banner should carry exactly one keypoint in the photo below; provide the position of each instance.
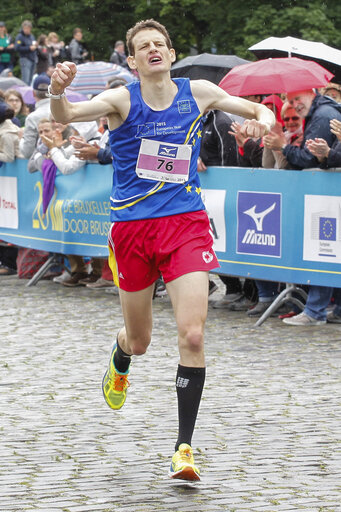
(276, 225)
(267, 224)
(77, 219)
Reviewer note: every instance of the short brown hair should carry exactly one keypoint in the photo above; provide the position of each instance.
(143, 25)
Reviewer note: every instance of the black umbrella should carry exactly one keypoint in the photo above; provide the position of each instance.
(8, 81)
(208, 66)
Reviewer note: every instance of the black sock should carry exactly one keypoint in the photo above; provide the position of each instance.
(121, 359)
(189, 386)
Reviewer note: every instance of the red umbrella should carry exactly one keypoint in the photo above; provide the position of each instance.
(275, 75)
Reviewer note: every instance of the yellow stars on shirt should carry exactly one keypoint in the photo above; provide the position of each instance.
(189, 187)
(199, 135)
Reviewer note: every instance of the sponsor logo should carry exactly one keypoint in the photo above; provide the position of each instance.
(145, 130)
(207, 256)
(259, 223)
(120, 275)
(53, 215)
(181, 382)
(168, 151)
(327, 229)
(184, 107)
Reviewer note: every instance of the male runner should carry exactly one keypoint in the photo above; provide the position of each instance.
(159, 220)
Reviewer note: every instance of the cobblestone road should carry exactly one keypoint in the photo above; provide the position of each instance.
(267, 437)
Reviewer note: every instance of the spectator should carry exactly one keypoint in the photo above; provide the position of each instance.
(275, 104)
(8, 256)
(77, 50)
(42, 110)
(328, 157)
(26, 45)
(6, 48)
(15, 100)
(57, 47)
(44, 55)
(333, 91)
(317, 111)
(54, 150)
(292, 134)
(118, 56)
(9, 135)
(218, 148)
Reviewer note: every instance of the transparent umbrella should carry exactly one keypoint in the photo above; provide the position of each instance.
(327, 56)
(92, 77)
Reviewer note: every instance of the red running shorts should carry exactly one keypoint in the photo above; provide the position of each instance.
(141, 250)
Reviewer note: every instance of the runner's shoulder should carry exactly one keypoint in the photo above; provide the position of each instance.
(204, 92)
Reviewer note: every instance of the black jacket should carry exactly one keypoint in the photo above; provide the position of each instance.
(218, 147)
(22, 45)
(322, 111)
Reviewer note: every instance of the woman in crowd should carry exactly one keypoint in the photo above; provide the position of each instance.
(9, 135)
(44, 55)
(6, 48)
(292, 134)
(57, 47)
(15, 100)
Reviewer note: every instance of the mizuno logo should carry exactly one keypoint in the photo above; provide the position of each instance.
(259, 217)
(168, 151)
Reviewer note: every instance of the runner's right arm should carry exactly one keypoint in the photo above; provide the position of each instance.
(104, 104)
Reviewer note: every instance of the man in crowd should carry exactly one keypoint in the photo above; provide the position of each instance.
(42, 110)
(317, 111)
(118, 56)
(26, 45)
(77, 49)
(159, 223)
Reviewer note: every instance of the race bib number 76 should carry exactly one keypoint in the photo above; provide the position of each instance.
(163, 161)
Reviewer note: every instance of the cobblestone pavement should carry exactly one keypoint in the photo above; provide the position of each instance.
(268, 431)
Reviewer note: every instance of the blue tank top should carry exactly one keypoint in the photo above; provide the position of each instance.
(135, 198)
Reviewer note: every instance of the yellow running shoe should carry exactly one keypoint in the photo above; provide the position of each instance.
(115, 384)
(182, 465)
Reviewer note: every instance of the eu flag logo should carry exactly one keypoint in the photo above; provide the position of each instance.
(327, 228)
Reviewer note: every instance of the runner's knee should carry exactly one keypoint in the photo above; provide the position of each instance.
(192, 340)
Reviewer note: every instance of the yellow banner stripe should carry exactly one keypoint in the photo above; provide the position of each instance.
(279, 266)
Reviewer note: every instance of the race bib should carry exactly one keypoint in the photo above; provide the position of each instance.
(163, 161)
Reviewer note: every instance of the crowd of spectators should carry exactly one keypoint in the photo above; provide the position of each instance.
(307, 135)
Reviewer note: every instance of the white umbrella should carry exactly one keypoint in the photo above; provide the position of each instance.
(328, 57)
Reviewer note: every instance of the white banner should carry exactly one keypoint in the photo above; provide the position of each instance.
(215, 205)
(322, 228)
(8, 203)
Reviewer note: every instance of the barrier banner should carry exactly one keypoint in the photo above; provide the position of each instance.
(276, 225)
(267, 224)
(77, 219)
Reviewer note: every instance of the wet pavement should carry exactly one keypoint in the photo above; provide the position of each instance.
(267, 436)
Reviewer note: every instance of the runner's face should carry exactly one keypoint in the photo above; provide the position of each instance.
(151, 53)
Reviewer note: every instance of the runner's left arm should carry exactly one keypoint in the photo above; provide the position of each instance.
(210, 96)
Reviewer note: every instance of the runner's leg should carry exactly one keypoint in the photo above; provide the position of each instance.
(189, 296)
(135, 337)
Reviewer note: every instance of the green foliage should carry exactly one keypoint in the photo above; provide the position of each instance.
(226, 26)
